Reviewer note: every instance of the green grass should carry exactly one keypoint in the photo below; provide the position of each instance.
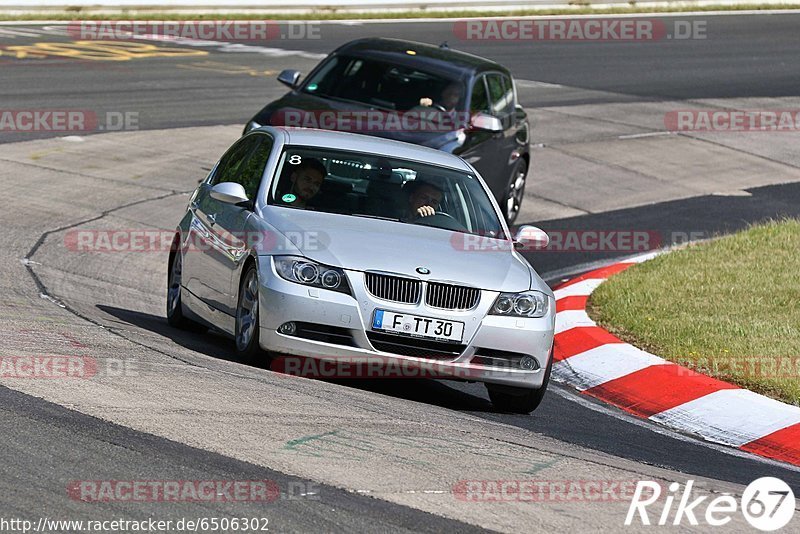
(729, 308)
(78, 13)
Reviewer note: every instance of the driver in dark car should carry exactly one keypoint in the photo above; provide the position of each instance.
(448, 101)
(423, 200)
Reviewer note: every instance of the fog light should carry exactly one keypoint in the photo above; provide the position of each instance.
(287, 328)
(528, 363)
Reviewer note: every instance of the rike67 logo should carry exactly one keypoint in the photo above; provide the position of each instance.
(767, 504)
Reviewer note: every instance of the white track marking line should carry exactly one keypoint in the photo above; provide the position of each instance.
(18, 33)
(533, 84)
(648, 134)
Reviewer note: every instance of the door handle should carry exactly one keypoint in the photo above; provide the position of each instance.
(212, 218)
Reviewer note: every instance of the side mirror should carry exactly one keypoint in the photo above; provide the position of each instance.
(229, 192)
(531, 238)
(289, 77)
(484, 121)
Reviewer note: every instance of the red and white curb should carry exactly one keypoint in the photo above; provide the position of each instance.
(599, 364)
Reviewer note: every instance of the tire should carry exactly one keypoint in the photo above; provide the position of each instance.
(175, 316)
(246, 331)
(515, 192)
(509, 399)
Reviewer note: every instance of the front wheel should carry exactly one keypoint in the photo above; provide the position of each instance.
(175, 316)
(247, 321)
(519, 400)
(515, 192)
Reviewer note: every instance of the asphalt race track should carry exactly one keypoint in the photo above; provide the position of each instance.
(382, 455)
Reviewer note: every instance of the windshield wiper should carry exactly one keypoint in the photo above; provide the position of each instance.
(376, 217)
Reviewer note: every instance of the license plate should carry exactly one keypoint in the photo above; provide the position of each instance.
(416, 326)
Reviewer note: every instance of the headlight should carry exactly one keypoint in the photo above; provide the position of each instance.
(526, 304)
(311, 273)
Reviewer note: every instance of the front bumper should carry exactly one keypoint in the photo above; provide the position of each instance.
(282, 301)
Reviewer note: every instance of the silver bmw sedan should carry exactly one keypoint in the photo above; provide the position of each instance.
(333, 247)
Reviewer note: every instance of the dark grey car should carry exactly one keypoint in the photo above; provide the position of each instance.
(474, 102)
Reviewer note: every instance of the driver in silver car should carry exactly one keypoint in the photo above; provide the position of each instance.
(423, 200)
(306, 180)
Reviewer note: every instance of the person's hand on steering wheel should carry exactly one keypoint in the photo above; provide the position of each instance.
(426, 211)
(428, 103)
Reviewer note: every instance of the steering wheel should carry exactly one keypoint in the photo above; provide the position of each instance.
(421, 109)
(442, 220)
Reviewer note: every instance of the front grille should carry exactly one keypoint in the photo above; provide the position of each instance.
(393, 288)
(327, 334)
(450, 297)
(415, 347)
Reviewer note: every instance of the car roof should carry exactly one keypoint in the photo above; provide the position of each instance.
(452, 63)
(367, 144)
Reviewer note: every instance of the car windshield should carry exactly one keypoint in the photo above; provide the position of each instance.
(384, 85)
(366, 185)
